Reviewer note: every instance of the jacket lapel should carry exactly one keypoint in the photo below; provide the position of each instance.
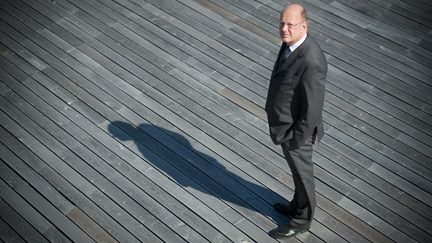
(277, 63)
(296, 54)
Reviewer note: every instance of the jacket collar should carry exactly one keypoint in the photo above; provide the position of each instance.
(298, 43)
(296, 54)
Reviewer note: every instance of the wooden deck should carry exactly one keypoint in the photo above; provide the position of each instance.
(143, 121)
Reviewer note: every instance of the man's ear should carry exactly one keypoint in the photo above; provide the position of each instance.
(305, 25)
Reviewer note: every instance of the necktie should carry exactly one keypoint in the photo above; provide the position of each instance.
(284, 54)
(287, 52)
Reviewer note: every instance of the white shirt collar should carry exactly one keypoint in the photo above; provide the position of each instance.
(298, 43)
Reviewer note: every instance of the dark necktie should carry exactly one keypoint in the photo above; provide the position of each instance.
(287, 52)
(284, 54)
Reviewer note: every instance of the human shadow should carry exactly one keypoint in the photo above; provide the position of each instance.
(173, 154)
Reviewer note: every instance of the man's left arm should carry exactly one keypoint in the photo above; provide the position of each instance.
(312, 88)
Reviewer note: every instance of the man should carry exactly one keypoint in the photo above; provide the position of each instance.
(294, 111)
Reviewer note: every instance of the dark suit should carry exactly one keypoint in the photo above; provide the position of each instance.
(294, 111)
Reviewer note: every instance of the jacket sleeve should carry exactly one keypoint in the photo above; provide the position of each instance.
(312, 88)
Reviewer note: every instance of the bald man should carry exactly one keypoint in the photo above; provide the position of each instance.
(294, 111)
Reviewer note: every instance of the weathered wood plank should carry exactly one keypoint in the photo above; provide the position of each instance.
(411, 227)
(188, 70)
(14, 228)
(142, 232)
(37, 220)
(138, 90)
(57, 164)
(7, 234)
(83, 153)
(383, 32)
(42, 205)
(71, 192)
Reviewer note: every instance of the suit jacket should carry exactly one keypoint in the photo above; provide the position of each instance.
(296, 95)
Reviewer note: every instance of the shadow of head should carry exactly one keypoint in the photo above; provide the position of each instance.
(126, 131)
(121, 130)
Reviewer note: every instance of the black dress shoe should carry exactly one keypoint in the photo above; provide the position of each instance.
(286, 231)
(285, 208)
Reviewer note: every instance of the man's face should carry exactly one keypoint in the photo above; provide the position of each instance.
(292, 26)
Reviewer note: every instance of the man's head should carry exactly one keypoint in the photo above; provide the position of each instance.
(293, 23)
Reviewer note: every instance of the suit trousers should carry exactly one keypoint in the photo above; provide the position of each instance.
(301, 165)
